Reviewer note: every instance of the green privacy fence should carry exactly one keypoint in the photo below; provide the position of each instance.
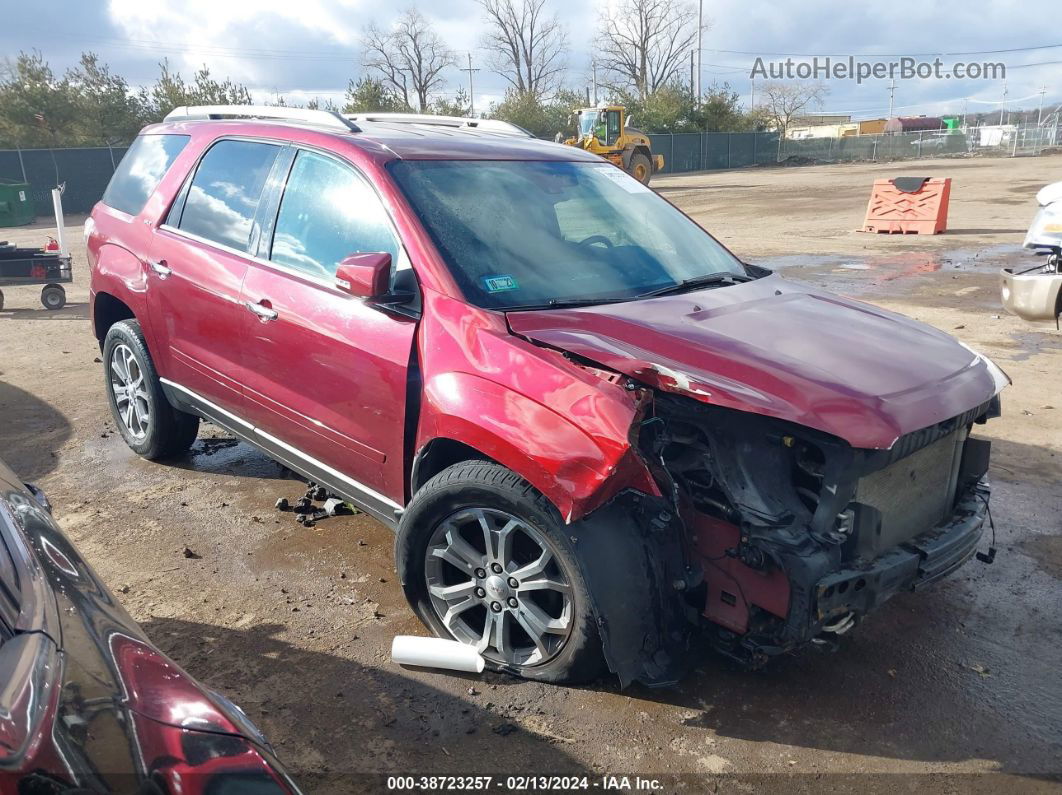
(711, 151)
(901, 146)
(86, 172)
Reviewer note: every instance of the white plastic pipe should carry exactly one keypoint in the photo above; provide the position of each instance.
(435, 653)
(60, 236)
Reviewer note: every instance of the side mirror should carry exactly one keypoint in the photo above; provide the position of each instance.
(365, 275)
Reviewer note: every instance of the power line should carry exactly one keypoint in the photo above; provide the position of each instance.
(888, 54)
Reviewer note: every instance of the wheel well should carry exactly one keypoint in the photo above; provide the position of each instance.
(437, 455)
(108, 311)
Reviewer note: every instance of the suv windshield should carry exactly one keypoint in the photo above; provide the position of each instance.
(519, 234)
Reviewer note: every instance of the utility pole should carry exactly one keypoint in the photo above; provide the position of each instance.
(693, 89)
(752, 95)
(1003, 107)
(1040, 112)
(593, 64)
(700, 29)
(964, 102)
(892, 95)
(471, 91)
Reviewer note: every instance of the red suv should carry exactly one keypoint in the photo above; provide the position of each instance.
(594, 429)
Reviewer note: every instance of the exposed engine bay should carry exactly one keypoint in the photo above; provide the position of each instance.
(796, 533)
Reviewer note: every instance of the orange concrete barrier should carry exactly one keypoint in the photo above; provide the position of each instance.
(908, 206)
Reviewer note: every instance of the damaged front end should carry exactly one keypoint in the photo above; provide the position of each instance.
(772, 535)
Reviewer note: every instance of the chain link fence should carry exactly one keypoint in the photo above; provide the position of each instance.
(86, 171)
(713, 151)
(998, 140)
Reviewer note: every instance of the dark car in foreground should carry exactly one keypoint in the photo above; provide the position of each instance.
(595, 430)
(87, 704)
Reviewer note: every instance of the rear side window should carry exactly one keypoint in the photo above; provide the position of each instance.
(327, 213)
(141, 171)
(225, 191)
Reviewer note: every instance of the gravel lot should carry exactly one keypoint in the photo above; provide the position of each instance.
(295, 624)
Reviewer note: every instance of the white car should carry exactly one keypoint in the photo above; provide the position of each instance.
(1036, 293)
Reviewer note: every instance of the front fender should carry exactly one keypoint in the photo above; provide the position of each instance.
(575, 470)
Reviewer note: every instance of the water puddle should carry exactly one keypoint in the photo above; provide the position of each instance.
(855, 274)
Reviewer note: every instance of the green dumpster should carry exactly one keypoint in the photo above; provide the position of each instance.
(16, 206)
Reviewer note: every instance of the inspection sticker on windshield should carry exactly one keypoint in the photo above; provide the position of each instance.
(624, 180)
(499, 284)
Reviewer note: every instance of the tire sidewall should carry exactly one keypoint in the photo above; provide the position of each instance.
(53, 290)
(639, 157)
(127, 332)
(581, 658)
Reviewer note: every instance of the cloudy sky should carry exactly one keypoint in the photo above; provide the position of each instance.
(306, 48)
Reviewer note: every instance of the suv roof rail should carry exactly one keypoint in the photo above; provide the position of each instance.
(460, 122)
(324, 118)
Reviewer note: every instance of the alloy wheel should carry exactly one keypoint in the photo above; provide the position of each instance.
(498, 584)
(130, 391)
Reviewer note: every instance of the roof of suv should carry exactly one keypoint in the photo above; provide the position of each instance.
(400, 140)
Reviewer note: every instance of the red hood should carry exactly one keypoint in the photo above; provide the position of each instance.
(777, 348)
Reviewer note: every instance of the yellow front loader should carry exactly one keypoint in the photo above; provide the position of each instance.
(605, 132)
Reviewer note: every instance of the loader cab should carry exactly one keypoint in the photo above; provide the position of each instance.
(605, 124)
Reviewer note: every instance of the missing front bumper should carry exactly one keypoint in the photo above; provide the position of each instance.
(912, 565)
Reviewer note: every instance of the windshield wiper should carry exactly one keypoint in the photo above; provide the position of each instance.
(568, 303)
(707, 280)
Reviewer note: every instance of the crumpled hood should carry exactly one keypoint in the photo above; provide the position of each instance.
(777, 348)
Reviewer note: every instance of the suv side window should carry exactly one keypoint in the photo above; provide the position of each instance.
(327, 213)
(225, 191)
(141, 170)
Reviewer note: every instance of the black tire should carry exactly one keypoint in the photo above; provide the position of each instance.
(641, 168)
(1, 300)
(53, 297)
(169, 432)
(482, 484)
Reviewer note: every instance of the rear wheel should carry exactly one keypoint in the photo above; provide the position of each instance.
(145, 418)
(484, 560)
(53, 297)
(640, 168)
(1, 300)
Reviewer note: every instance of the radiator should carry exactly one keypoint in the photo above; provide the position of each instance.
(913, 494)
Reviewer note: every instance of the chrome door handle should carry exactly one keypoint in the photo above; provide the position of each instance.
(263, 312)
(161, 269)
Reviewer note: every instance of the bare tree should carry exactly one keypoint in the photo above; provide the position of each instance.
(644, 44)
(526, 45)
(409, 57)
(782, 103)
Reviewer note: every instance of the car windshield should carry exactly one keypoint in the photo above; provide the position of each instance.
(521, 234)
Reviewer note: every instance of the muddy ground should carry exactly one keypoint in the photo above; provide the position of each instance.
(295, 624)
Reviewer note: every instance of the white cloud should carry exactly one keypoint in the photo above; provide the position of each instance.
(309, 48)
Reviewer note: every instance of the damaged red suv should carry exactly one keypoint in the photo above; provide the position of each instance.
(595, 430)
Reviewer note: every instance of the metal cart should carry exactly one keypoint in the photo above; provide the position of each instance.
(21, 266)
(49, 266)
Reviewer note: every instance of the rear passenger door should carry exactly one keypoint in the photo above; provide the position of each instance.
(198, 263)
(327, 372)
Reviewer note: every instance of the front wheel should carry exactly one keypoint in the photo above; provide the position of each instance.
(484, 559)
(641, 168)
